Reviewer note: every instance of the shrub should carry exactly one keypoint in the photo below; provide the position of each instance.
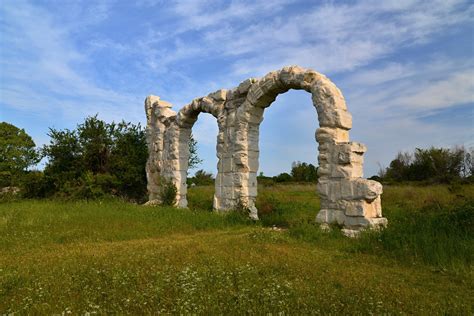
(202, 177)
(168, 192)
(34, 185)
(97, 158)
(283, 177)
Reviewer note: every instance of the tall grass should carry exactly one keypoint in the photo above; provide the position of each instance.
(34, 223)
(432, 225)
(438, 236)
(107, 257)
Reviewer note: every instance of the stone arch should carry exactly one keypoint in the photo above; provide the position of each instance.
(346, 198)
(168, 135)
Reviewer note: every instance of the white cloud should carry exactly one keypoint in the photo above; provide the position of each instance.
(57, 63)
(406, 90)
(336, 37)
(454, 89)
(39, 69)
(200, 14)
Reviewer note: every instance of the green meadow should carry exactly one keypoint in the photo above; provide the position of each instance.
(110, 256)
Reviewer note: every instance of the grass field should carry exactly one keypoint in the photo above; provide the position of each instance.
(109, 256)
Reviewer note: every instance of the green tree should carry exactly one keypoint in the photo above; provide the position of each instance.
(303, 172)
(439, 165)
(399, 167)
(128, 159)
(17, 153)
(97, 158)
(202, 177)
(64, 159)
(193, 160)
(95, 138)
(283, 177)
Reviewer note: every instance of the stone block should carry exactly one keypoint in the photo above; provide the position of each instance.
(326, 204)
(334, 118)
(334, 192)
(225, 165)
(326, 94)
(219, 95)
(355, 208)
(323, 188)
(292, 76)
(227, 179)
(244, 86)
(360, 189)
(331, 135)
(227, 193)
(331, 216)
(324, 170)
(270, 84)
(253, 165)
(353, 170)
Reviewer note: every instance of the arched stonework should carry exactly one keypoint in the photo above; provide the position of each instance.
(346, 198)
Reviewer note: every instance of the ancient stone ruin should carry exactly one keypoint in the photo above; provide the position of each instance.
(346, 198)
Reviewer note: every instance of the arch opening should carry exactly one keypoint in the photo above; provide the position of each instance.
(346, 198)
(286, 134)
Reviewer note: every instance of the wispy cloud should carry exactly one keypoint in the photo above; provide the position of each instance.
(454, 89)
(399, 64)
(408, 90)
(39, 70)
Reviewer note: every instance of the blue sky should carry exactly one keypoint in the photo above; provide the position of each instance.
(406, 68)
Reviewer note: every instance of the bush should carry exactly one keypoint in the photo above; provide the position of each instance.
(5, 179)
(432, 165)
(265, 181)
(168, 192)
(97, 158)
(303, 172)
(34, 185)
(202, 177)
(283, 177)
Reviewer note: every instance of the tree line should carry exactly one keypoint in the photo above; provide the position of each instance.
(432, 165)
(300, 172)
(92, 160)
(98, 158)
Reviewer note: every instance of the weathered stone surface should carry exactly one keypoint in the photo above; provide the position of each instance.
(331, 135)
(219, 95)
(346, 198)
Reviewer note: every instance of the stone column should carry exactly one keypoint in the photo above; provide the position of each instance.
(158, 112)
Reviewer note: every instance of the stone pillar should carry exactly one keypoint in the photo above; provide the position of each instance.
(158, 112)
(184, 134)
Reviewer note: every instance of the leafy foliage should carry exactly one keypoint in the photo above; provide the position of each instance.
(168, 192)
(202, 177)
(436, 165)
(96, 140)
(283, 177)
(303, 172)
(17, 153)
(300, 172)
(127, 160)
(193, 160)
(95, 159)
